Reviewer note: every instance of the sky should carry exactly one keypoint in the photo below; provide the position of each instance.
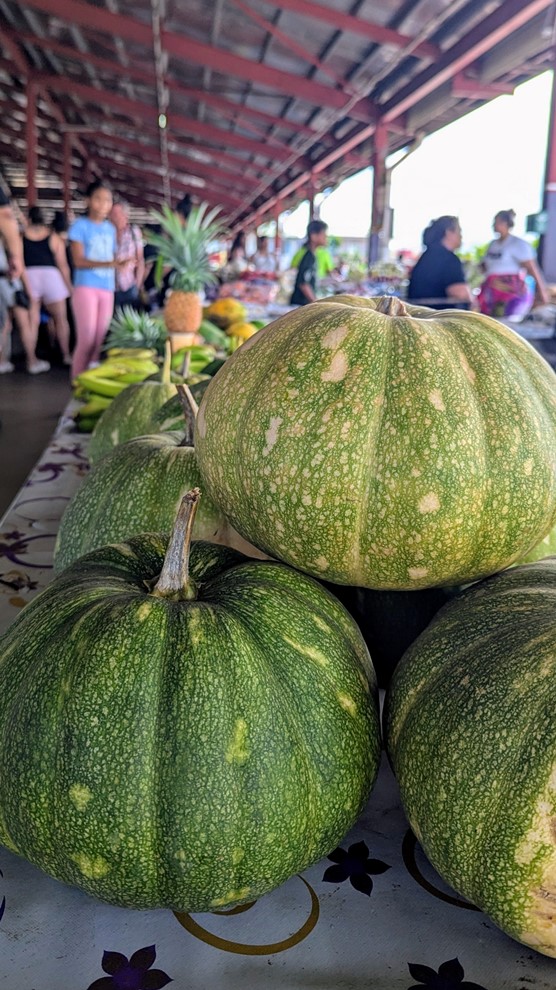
(492, 159)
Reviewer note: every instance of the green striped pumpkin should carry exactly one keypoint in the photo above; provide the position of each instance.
(471, 734)
(135, 489)
(184, 734)
(374, 444)
(128, 415)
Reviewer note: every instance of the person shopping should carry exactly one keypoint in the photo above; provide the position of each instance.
(48, 275)
(305, 289)
(130, 275)
(93, 251)
(438, 279)
(505, 292)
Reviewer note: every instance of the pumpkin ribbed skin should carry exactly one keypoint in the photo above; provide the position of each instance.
(183, 754)
(128, 415)
(135, 489)
(470, 731)
(383, 446)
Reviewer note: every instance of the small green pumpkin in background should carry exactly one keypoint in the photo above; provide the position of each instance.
(182, 729)
(130, 413)
(136, 488)
(470, 729)
(374, 444)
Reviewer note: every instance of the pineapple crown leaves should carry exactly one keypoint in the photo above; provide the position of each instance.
(129, 328)
(184, 248)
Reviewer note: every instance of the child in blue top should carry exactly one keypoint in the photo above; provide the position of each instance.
(93, 252)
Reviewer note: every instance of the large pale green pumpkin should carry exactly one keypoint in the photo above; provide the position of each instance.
(374, 444)
(184, 743)
(134, 489)
(128, 415)
(471, 733)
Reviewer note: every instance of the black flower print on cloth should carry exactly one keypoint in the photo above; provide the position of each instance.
(449, 977)
(131, 974)
(356, 866)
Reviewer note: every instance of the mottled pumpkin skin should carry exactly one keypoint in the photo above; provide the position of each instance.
(394, 449)
(128, 415)
(471, 733)
(183, 754)
(135, 489)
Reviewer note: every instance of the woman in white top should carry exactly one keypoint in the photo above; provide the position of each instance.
(505, 292)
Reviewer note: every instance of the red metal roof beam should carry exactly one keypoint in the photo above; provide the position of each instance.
(467, 88)
(497, 26)
(361, 27)
(209, 56)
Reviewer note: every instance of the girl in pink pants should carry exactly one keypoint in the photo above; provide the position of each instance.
(93, 250)
(92, 310)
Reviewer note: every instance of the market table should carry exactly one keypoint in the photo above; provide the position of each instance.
(375, 916)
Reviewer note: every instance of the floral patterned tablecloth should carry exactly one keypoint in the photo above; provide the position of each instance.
(372, 916)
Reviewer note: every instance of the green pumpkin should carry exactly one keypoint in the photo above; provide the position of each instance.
(378, 445)
(128, 415)
(135, 489)
(184, 731)
(471, 734)
(545, 548)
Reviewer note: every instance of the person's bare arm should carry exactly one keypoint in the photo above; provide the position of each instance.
(58, 249)
(140, 268)
(307, 291)
(541, 293)
(461, 292)
(80, 261)
(12, 239)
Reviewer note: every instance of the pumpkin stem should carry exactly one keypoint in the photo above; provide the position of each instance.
(185, 366)
(391, 306)
(167, 365)
(174, 581)
(190, 410)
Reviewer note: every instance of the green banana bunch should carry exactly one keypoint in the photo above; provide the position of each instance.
(199, 356)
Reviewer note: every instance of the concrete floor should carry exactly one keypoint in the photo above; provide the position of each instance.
(30, 406)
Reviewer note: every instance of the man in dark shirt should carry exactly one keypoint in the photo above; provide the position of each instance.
(305, 289)
(438, 274)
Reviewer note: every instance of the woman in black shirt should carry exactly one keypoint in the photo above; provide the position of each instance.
(438, 278)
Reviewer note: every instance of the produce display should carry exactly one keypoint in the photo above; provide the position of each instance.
(381, 445)
(182, 729)
(470, 730)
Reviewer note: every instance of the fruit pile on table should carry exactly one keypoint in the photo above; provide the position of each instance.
(387, 461)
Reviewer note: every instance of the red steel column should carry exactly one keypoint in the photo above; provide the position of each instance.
(547, 246)
(277, 237)
(31, 142)
(376, 239)
(68, 148)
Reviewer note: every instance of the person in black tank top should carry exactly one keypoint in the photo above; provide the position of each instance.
(49, 278)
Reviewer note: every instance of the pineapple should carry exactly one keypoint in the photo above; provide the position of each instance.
(132, 329)
(184, 249)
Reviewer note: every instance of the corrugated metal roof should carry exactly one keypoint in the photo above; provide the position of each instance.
(264, 100)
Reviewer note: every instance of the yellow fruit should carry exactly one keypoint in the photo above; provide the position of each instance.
(223, 312)
(242, 330)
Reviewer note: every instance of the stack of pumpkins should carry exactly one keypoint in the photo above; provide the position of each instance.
(182, 726)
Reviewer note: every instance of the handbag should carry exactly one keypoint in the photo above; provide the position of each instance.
(21, 299)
